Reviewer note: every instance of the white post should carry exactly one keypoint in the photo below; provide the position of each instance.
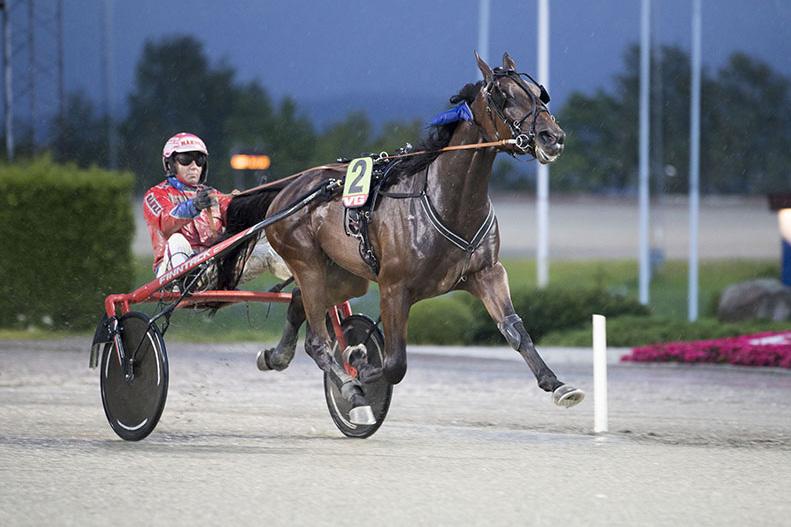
(542, 183)
(694, 164)
(599, 374)
(645, 62)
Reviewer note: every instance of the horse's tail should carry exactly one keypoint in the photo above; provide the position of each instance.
(243, 211)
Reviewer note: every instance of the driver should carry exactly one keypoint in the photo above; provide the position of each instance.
(185, 216)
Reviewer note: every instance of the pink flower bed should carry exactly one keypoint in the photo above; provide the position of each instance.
(760, 349)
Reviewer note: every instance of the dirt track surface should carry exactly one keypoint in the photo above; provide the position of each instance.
(469, 441)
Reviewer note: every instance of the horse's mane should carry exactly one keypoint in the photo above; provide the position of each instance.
(436, 138)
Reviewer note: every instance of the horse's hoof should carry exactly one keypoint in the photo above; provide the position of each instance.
(567, 396)
(262, 361)
(362, 415)
(266, 361)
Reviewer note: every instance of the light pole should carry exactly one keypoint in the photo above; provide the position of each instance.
(107, 74)
(8, 98)
(483, 30)
(694, 164)
(542, 175)
(645, 52)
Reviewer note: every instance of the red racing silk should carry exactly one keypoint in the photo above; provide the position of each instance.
(168, 209)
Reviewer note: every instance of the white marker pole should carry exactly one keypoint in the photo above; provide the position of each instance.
(599, 374)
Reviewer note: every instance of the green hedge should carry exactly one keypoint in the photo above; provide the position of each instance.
(443, 320)
(66, 235)
(462, 319)
(554, 308)
(630, 331)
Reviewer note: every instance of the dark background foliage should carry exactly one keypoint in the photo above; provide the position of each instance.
(69, 231)
(746, 125)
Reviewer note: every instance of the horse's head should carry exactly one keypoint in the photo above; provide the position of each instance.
(512, 105)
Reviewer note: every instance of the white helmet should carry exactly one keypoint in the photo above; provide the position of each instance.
(184, 142)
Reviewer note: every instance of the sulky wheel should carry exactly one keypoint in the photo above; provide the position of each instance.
(359, 329)
(133, 407)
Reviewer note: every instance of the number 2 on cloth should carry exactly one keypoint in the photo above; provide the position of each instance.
(358, 182)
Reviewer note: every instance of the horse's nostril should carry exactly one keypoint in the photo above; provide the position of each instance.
(547, 138)
(561, 138)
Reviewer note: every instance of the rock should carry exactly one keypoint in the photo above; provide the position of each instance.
(765, 299)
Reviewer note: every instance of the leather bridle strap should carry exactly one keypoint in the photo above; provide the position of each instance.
(522, 139)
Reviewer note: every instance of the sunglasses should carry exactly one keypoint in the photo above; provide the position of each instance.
(186, 158)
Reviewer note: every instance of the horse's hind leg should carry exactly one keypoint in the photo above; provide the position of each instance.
(280, 357)
(323, 286)
(491, 286)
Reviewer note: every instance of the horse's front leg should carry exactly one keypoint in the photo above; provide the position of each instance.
(490, 285)
(394, 306)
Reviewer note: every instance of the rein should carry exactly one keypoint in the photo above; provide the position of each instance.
(382, 156)
(502, 142)
(333, 166)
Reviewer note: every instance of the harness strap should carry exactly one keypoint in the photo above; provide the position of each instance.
(408, 195)
(466, 246)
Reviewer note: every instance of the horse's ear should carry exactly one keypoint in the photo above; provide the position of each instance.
(485, 69)
(508, 62)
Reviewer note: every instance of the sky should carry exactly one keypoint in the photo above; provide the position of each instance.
(400, 58)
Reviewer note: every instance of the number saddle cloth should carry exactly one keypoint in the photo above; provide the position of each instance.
(358, 216)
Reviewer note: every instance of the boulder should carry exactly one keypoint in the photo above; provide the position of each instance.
(765, 299)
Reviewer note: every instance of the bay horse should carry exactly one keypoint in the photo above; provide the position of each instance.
(419, 233)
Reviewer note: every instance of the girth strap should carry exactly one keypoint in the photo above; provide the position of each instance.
(452, 237)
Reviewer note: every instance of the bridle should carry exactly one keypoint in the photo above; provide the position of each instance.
(523, 140)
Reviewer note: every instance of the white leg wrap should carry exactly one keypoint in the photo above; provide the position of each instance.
(264, 259)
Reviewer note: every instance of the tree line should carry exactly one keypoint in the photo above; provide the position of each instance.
(745, 129)
(177, 89)
(746, 125)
